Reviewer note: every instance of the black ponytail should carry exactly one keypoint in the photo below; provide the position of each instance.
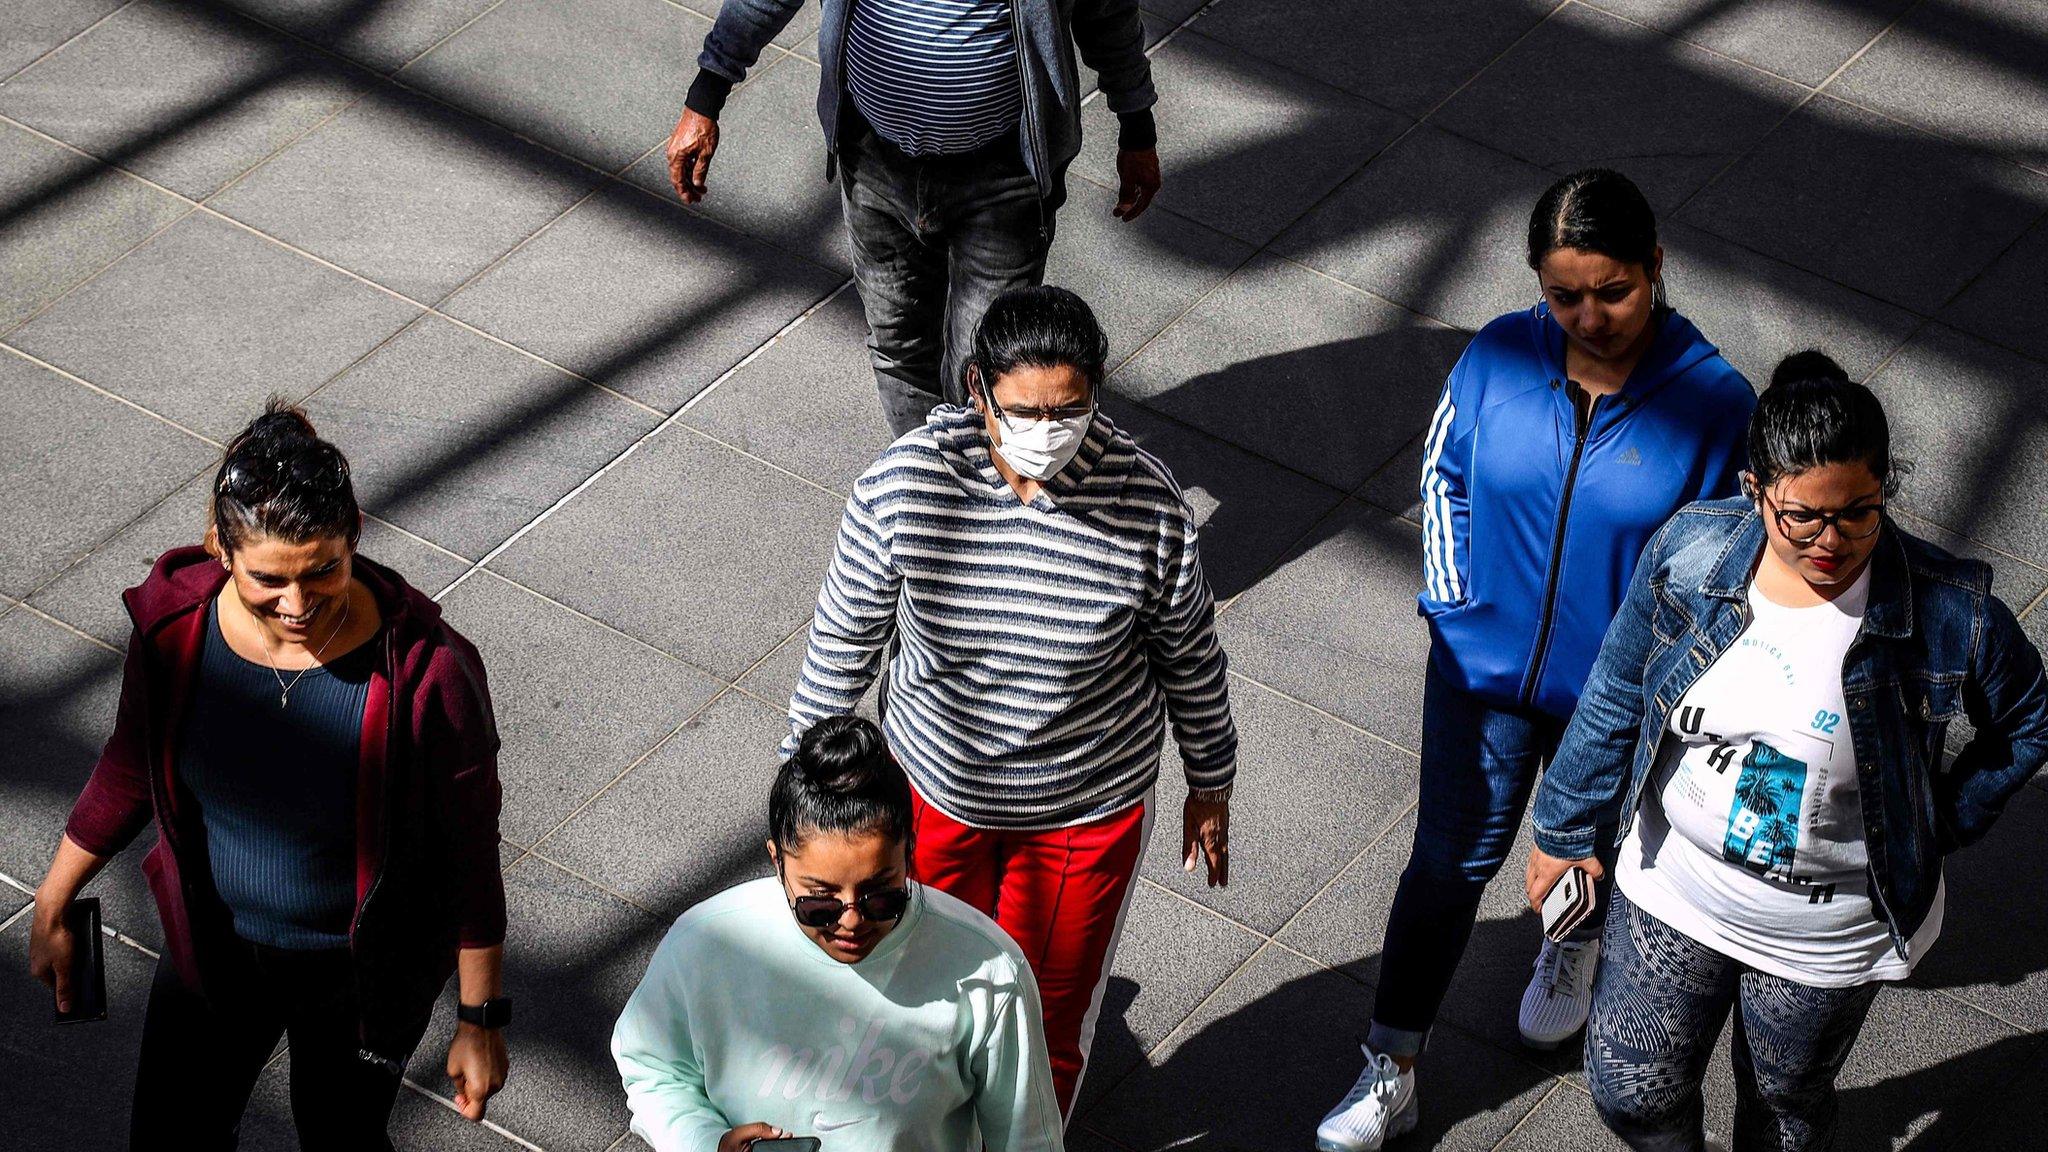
(1813, 415)
(280, 479)
(841, 780)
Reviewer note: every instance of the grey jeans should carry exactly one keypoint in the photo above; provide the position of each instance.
(935, 240)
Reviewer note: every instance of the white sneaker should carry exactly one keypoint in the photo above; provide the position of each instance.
(1378, 1108)
(1560, 994)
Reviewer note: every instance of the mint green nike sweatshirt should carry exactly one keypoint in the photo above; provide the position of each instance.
(934, 1042)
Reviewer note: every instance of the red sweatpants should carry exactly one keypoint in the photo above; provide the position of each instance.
(1061, 894)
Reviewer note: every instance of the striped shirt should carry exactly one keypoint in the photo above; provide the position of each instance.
(934, 77)
(1042, 646)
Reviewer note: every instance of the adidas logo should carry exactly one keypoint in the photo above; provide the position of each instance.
(1629, 455)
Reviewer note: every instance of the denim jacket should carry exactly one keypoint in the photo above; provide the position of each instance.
(1934, 645)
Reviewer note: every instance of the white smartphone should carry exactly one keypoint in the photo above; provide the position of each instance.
(1570, 901)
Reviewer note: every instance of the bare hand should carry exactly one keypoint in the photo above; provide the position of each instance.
(1137, 182)
(1205, 830)
(477, 1062)
(50, 948)
(739, 1138)
(1546, 870)
(689, 154)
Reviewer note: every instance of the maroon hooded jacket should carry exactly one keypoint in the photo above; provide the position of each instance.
(427, 878)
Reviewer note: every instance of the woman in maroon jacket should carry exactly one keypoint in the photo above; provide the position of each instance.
(316, 749)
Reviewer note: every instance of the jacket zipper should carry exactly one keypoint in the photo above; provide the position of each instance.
(1582, 425)
(1030, 121)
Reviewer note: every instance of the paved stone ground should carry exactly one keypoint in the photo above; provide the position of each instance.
(615, 435)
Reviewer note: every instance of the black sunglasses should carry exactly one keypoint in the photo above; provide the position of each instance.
(256, 478)
(876, 907)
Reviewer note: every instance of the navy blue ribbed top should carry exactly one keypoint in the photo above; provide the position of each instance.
(935, 77)
(277, 790)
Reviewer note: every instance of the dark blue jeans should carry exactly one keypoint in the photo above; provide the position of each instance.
(1479, 763)
(1658, 1005)
(935, 240)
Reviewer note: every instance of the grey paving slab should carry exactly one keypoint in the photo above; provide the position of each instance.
(800, 35)
(1405, 56)
(30, 28)
(1175, 10)
(461, 440)
(114, 463)
(1137, 277)
(2019, 1116)
(1335, 625)
(1437, 223)
(1249, 509)
(808, 403)
(83, 1075)
(642, 296)
(383, 34)
(206, 321)
(576, 703)
(1332, 391)
(1973, 418)
(1990, 952)
(418, 1124)
(1396, 487)
(690, 821)
(1209, 1092)
(575, 955)
(57, 698)
(408, 193)
(1228, 122)
(1345, 927)
(602, 80)
(768, 177)
(1845, 193)
(88, 595)
(63, 217)
(1923, 1063)
(1588, 89)
(1972, 70)
(690, 547)
(1282, 851)
(1171, 957)
(1565, 1119)
(1798, 39)
(773, 679)
(1758, 310)
(187, 95)
(2008, 303)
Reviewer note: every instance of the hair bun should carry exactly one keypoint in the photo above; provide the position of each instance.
(839, 754)
(1811, 364)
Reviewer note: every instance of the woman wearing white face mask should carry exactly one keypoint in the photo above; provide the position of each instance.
(1034, 576)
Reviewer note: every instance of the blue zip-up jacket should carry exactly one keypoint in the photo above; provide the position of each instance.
(1530, 532)
(1935, 647)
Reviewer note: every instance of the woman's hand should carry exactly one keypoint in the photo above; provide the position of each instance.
(477, 1062)
(739, 1138)
(50, 948)
(1546, 870)
(1205, 831)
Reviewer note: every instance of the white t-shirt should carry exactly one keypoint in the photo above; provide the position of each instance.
(1750, 836)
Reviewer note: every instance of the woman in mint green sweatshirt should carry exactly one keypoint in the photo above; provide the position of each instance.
(838, 999)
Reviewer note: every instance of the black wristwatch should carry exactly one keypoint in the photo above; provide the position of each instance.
(493, 1013)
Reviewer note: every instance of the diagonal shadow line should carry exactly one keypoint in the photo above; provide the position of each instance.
(289, 59)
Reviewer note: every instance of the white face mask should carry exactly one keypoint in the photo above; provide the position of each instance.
(1040, 448)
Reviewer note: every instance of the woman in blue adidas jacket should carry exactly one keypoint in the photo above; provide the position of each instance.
(1567, 434)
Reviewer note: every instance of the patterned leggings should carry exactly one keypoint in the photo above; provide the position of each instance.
(1658, 1005)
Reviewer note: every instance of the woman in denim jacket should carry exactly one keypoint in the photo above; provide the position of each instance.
(1766, 720)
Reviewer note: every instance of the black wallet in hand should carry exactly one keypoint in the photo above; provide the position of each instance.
(88, 962)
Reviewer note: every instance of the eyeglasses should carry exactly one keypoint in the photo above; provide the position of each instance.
(1805, 525)
(1025, 414)
(824, 911)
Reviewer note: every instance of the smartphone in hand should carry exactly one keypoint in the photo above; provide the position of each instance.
(88, 977)
(786, 1144)
(1570, 901)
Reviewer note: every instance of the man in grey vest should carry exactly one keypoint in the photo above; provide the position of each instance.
(950, 124)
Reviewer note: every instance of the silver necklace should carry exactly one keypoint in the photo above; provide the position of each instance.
(284, 690)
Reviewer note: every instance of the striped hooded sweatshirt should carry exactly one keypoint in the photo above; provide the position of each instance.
(1041, 647)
